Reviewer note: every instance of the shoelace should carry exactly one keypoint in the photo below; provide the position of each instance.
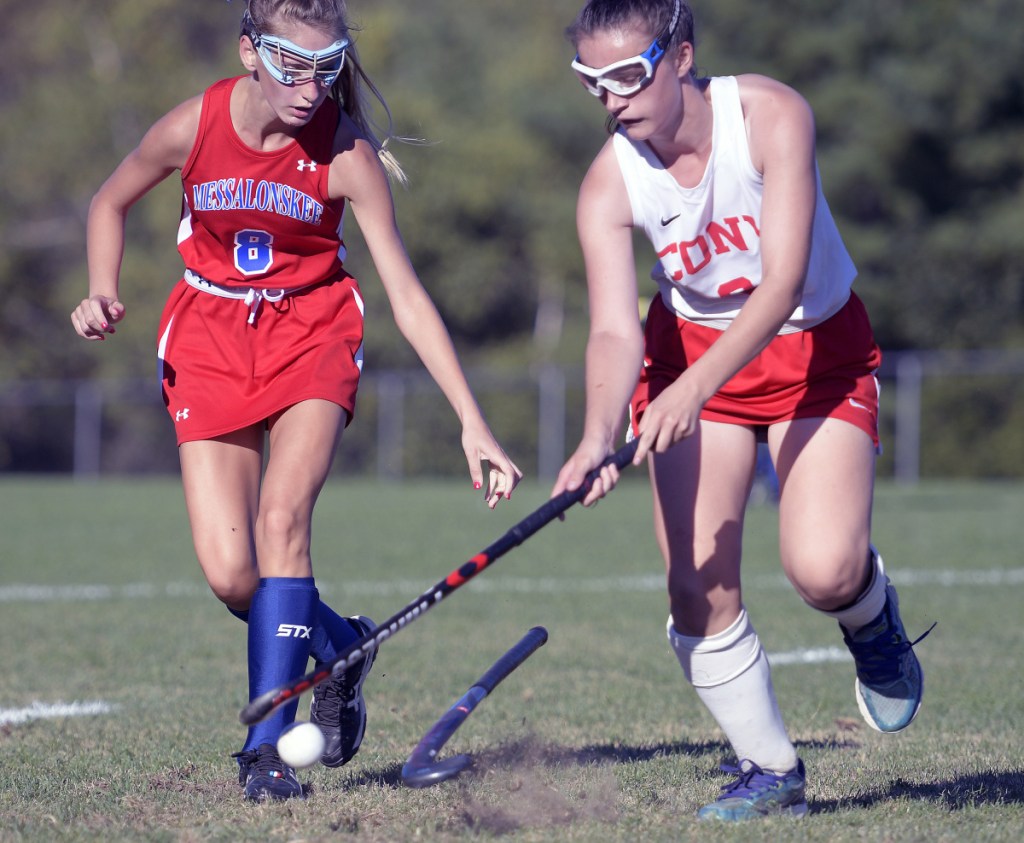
(878, 659)
(245, 761)
(748, 782)
(262, 763)
(336, 695)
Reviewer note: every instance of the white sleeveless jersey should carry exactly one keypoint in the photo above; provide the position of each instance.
(708, 238)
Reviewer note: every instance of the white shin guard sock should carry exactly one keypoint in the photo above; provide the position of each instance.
(731, 675)
(869, 605)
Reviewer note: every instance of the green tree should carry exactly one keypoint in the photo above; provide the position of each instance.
(919, 107)
(920, 116)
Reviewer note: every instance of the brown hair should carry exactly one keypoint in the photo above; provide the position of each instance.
(654, 15)
(348, 89)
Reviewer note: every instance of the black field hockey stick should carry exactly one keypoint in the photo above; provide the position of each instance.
(422, 769)
(267, 703)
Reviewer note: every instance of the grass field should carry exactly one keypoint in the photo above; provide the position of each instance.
(596, 737)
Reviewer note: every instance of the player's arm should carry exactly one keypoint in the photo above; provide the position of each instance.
(163, 149)
(614, 351)
(780, 128)
(357, 175)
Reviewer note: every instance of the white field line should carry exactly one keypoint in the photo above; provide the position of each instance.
(84, 593)
(545, 585)
(44, 711)
(22, 593)
(814, 655)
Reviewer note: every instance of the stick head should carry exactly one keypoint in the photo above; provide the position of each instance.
(431, 774)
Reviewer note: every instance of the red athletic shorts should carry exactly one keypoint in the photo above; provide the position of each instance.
(220, 373)
(827, 371)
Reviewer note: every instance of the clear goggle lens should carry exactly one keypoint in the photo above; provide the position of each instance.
(621, 78)
(290, 64)
(626, 77)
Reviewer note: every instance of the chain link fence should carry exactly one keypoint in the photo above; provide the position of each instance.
(944, 414)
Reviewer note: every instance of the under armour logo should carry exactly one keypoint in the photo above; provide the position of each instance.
(181, 415)
(306, 165)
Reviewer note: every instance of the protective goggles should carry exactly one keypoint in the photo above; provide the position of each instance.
(290, 64)
(627, 76)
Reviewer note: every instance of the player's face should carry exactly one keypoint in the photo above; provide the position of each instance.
(633, 91)
(295, 68)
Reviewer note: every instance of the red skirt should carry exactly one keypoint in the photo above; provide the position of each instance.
(221, 373)
(828, 371)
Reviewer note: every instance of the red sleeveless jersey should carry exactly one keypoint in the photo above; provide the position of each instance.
(260, 219)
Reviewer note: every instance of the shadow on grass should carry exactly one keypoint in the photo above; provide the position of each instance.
(533, 753)
(998, 787)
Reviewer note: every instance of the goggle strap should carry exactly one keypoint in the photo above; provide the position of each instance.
(671, 29)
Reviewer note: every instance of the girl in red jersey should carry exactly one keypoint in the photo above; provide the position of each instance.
(755, 333)
(262, 339)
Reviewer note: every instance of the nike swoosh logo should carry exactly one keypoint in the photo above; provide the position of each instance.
(667, 220)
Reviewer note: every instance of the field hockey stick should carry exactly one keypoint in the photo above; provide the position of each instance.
(422, 768)
(267, 703)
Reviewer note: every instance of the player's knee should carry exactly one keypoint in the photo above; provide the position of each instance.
(230, 570)
(830, 580)
(233, 592)
(279, 530)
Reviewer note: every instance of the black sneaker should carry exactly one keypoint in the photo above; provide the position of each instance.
(338, 707)
(263, 775)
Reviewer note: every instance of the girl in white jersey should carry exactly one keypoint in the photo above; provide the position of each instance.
(755, 336)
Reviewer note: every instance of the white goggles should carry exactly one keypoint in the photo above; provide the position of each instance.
(627, 76)
(621, 78)
(290, 64)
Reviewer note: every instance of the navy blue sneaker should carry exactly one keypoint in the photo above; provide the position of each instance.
(263, 775)
(757, 793)
(890, 682)
(338, 707)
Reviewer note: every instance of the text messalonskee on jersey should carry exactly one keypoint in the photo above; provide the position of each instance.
(260, 219)
(708, 237)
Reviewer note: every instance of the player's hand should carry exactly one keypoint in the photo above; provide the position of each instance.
(503, 475)
(96, 316)
(588, 456)
(669, 418)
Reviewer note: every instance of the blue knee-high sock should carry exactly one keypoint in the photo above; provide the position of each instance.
(281, 620)
(331, 635)
(331, 632)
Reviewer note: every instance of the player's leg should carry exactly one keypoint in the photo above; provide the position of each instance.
(222, 491)
(221, 481)
(303, 441)
(701, 488)
(826, 473)
(221, 478)
(282, 613)
(826, 479)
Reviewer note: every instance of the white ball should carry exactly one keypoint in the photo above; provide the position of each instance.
(301, 745)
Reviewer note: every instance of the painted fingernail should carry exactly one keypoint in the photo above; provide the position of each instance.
(476, 485)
